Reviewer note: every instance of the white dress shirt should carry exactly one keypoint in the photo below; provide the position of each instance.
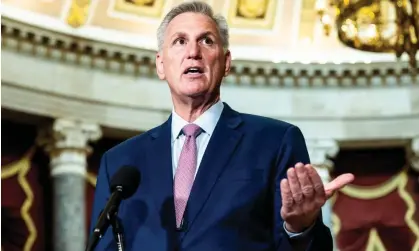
(207, 121)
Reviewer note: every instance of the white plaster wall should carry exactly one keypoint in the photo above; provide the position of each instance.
(55, 89)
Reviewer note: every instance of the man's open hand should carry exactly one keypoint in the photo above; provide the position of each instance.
(303, 195)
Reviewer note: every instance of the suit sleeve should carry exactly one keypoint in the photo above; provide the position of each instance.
(101, 197)
(293, 150)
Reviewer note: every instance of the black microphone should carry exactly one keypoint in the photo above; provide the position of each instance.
(118, 233)
(123, 185)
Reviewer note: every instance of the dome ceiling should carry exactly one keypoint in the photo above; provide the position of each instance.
(267, 30)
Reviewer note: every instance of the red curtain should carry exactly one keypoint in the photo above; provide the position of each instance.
(26, 192)
(364, 219)
(378, 212)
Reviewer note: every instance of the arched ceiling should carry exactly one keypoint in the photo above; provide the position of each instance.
(266, 30)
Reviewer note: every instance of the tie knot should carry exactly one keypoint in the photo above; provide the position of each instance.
(191, 130)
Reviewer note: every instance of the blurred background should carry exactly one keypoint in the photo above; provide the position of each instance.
(78, 77)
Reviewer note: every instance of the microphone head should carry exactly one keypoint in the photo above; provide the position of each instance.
(126, 180)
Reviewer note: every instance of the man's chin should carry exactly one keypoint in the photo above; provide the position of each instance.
(196, 94)
(195, 89)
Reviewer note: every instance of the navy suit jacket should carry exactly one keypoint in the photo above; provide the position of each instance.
(235, 201)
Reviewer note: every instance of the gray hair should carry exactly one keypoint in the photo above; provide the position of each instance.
(195, 7)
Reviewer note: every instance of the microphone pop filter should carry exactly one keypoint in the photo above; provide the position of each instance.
(126, 180)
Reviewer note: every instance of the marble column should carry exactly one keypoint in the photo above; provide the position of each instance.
(66, 142)
(414, 158)
(320, 150)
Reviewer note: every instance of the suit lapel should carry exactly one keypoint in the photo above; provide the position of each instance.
(161, 173)
(219, 151)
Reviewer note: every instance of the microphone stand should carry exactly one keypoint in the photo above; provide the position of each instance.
(115, 222)
(118, 230)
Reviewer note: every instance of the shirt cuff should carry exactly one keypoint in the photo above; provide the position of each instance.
(301, 234)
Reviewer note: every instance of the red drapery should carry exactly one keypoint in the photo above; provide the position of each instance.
(364, 219)
(26, 188)
(377, 212)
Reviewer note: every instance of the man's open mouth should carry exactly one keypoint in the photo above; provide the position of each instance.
(194, 70)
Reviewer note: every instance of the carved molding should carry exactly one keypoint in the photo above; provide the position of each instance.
(139, 62)
(66, 133)
(320, 152)
(67, 142)
(137, 118)
(414, 158)
(70, 133)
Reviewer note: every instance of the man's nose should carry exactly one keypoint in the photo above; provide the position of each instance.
(194, 51)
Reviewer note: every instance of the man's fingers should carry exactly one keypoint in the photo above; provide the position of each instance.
(287, 200)
(338, 183)
(305, 182)
(295, 186)
(316, 180)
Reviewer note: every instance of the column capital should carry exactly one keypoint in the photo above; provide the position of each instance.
(320, 150)
(414, 149)
(67, 143)
(69, 134)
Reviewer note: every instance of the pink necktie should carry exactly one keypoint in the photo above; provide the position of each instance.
(185, 172)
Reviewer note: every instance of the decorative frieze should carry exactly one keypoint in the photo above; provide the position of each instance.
(140, 62)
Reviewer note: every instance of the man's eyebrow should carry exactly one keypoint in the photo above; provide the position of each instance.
(202, 35)
(179, 34)
(206, 34)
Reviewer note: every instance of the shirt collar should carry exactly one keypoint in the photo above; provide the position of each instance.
(207, 121)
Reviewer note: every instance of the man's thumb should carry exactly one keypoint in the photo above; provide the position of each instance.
(338, 183)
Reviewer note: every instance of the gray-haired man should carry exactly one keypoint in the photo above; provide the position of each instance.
(214, 179)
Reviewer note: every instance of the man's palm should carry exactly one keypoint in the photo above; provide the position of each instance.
(303, 195)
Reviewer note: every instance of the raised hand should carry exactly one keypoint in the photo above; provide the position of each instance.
(303, 195)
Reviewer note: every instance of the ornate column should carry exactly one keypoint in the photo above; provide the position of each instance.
(320, 150)
(414, 158)
(67, 144)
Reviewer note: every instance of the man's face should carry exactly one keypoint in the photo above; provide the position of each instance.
(192, 59)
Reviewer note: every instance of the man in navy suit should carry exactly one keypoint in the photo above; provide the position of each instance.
(214, 179)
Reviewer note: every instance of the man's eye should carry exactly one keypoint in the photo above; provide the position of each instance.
(180, 41)
(208, 41)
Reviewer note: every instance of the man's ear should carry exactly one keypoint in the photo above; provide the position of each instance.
(227, 63)
(159, 65)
